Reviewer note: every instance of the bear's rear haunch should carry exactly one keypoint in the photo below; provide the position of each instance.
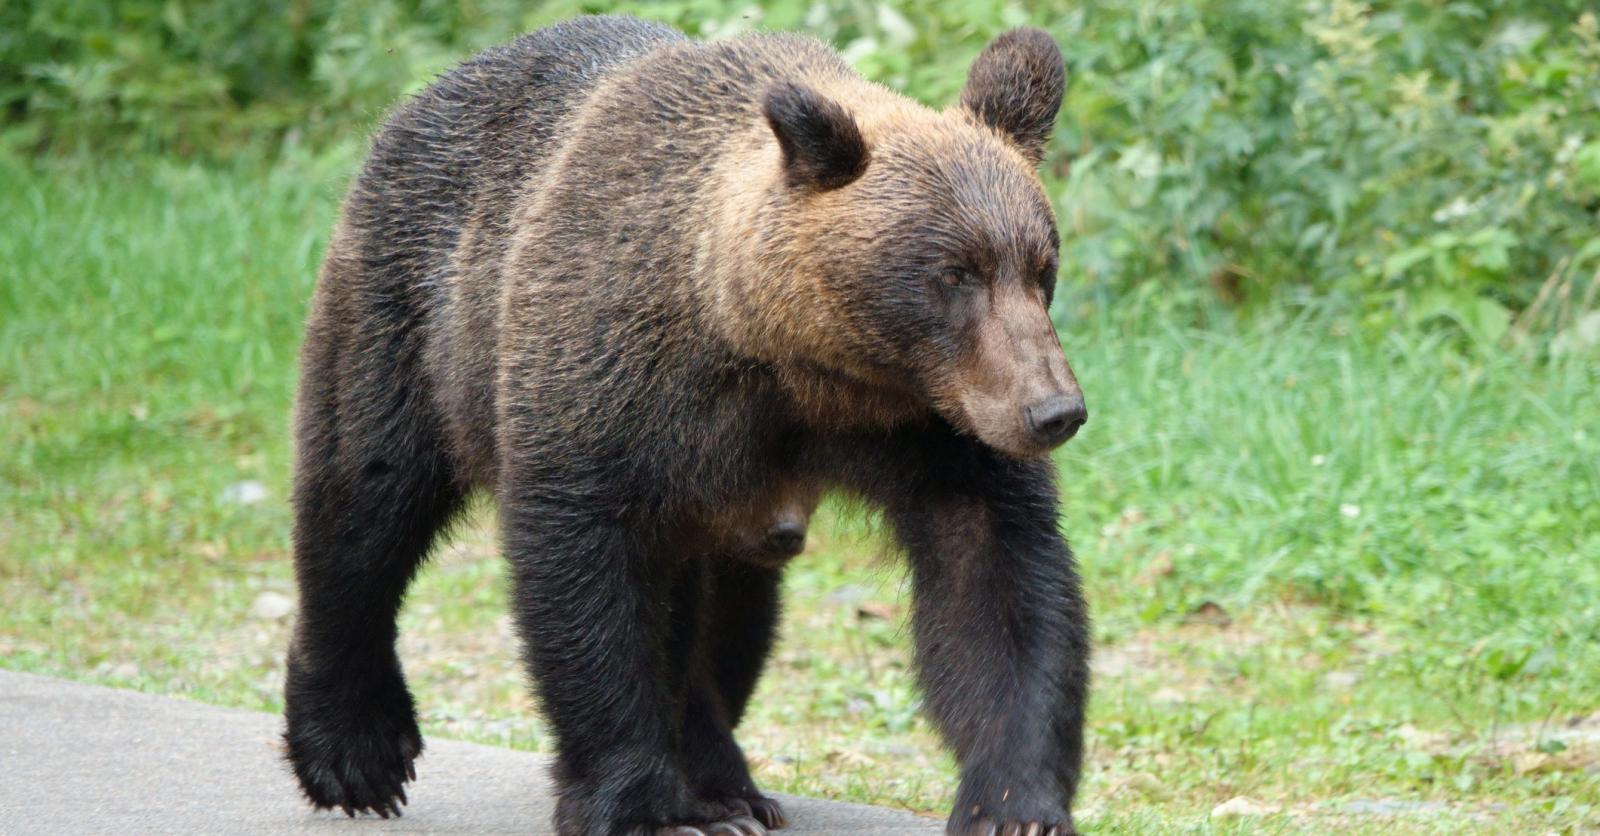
(657, 296)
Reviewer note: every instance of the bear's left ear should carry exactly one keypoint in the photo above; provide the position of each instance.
(1015, 87)
(822, 145)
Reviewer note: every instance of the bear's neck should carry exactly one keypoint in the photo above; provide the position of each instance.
(759, 300)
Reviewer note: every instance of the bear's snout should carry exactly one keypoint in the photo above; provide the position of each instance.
(1055, 419)
(1014, 389)
(786, 538)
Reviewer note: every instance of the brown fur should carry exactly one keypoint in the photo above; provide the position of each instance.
(658, 296)
(744, 530)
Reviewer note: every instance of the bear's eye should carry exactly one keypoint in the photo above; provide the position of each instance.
(1047, 274)
(954, 278)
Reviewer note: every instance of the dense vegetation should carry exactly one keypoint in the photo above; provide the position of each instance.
(1329, 283)
(1415, 162)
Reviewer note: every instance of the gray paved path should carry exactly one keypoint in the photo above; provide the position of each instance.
(78, 758)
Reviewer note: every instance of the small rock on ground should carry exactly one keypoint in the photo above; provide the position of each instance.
(248, 492)
(271, 606)
(1391, 807)
(1239, 806)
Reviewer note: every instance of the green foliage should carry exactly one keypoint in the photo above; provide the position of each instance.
(1414, 163)
(1398, 158)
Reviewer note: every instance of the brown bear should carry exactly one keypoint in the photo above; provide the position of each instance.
(650, 293)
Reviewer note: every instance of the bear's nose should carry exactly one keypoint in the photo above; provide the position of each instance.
(787, 538)
(1056, 418)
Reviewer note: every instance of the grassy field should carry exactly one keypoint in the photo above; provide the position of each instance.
(1355, 581)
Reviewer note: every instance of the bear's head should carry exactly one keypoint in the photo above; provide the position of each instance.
(925, 247)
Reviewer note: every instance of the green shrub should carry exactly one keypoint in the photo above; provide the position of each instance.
(1406, 158)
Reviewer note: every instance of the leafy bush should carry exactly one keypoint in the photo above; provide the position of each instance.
(1409, 162)
(1419, 159)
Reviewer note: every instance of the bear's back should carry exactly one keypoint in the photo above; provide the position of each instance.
(448, 167)
(642, 163)
(461, 146)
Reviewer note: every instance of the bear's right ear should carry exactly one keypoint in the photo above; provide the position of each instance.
(822, 145)
(1016, 86)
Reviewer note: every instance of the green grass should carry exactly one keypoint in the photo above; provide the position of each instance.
(1324, 569)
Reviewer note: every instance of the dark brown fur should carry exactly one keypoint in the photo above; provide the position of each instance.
(656, 295)
(764, 529)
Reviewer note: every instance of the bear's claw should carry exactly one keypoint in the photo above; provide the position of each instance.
(736, 826)
(985, 827)
(758, 807)
(769, 813)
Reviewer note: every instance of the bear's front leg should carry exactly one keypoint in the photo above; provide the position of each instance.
(591, 596)
(1001, 633)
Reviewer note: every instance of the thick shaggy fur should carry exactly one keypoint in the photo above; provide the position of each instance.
(654, 294)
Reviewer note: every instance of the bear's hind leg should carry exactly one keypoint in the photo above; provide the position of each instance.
(739, 627)
(372, 488)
